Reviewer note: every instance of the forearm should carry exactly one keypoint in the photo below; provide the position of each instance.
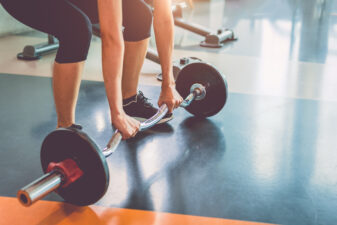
(110, 16)
(112, 64)
(164, 32)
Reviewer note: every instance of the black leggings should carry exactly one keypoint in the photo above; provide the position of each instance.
(70, 21)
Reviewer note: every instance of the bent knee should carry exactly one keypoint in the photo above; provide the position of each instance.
(74, 41)
(137, 20)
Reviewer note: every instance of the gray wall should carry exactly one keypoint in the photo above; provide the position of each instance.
(8, 25)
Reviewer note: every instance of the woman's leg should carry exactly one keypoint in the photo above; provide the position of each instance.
(137, 20)
(66, 84)
(134, 55)
(75, 38)
(73, 29)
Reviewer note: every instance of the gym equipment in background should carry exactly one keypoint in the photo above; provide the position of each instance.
(34, 52)
(212, 39)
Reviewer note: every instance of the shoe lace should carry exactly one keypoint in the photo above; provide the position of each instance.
(143, 100)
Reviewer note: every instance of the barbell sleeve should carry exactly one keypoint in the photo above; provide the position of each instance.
(39, 188)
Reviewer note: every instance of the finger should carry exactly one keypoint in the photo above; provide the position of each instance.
(180, 101)
(136, 131)
(176, 104)
(130, 134)
(172, 108)
(124, 137)
(137, 126)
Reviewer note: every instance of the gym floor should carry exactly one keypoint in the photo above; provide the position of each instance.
(269, 156)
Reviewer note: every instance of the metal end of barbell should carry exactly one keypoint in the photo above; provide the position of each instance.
(39, 188)
(24, 198)
(200, 90)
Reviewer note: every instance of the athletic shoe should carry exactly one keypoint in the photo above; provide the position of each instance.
(141, 109)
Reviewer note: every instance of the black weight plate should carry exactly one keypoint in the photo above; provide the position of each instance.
(72, 143)
(214, 82)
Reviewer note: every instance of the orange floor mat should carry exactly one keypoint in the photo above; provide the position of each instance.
(52, 213)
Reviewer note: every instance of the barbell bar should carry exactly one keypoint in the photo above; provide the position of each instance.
(54, 179)
(76, 168)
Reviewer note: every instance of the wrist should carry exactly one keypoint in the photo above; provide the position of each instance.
(166, 83)
(168, 87)
(168, 78)
(116, 111)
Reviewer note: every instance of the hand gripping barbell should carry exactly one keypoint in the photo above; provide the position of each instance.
(77, 169)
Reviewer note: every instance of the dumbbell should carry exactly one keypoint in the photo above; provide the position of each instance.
(77, 169)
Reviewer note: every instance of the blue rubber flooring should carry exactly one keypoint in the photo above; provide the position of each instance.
(262, 158)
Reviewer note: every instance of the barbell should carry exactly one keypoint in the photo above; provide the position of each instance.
(77, 169)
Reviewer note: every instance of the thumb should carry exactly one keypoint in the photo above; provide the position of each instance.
(160, 102)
